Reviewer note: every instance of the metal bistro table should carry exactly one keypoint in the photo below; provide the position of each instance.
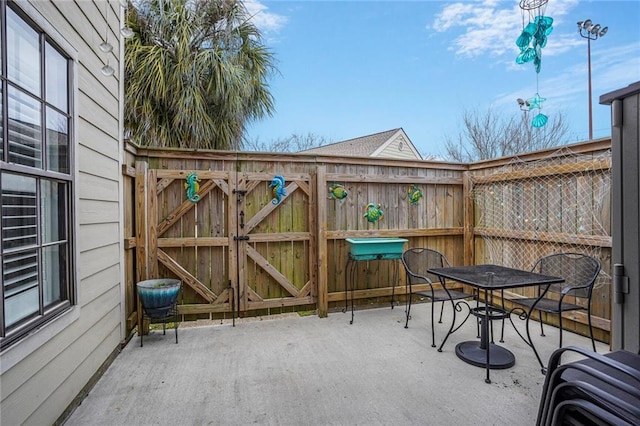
(490, 278)
(369, 249)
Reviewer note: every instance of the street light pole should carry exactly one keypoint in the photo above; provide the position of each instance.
(589, 78)
(590, 31)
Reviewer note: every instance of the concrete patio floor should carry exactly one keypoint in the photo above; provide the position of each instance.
(292, 370)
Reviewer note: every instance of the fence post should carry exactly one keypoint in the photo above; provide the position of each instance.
(321, 232)
(236, 270)
(152, 224)
(142, 272)
(469, 218)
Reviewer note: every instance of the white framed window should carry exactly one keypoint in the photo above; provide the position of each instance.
(36, 180)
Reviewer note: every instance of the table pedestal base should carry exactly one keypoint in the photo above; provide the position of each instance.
(471, 353)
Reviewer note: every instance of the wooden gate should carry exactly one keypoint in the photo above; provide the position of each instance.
(274, 243)
(236, 249)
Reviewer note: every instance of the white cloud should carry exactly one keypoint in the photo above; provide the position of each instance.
(451, 16)
(615, 67)
(266, 21)
(491, 27)
(611, 69)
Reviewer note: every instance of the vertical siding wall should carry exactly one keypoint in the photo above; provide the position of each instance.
(50, 368)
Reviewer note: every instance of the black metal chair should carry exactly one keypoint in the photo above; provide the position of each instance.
(580, 411)
(584, 390)
(416, 261)
(580, 272)
(609, 382)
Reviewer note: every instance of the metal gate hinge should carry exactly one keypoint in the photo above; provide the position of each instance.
(241, 238)
(620, 283)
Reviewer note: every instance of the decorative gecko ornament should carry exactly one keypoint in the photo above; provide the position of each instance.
(373, 213)
(277, 187)
(192, 186)
(414, 194)
(337, 192)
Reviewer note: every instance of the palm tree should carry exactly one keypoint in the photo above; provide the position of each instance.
(195, 73)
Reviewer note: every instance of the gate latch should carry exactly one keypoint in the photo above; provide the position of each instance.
(241, 238)
(620, 283)
(239, 194)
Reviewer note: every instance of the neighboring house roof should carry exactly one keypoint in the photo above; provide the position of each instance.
(389, 144)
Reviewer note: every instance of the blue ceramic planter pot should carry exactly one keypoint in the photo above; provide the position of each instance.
(158, 296)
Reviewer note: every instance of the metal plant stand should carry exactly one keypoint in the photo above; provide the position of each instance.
(159, 301)
(370, 249)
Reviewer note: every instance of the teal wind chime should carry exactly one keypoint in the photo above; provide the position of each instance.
(531, 42)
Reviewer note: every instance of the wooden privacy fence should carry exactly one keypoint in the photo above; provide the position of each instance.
(240, 251)
(548, 203)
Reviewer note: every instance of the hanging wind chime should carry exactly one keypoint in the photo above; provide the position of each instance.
(531, 42)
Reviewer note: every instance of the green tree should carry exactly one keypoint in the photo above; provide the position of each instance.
(195, 74)
(486, 136)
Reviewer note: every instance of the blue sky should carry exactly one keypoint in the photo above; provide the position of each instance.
(353, 68)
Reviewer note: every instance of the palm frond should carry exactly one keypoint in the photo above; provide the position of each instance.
(184, 86)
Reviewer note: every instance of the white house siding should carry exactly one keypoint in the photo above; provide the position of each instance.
(391, 150)
(42, 374)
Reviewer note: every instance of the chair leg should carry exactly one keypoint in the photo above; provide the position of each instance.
(540, 317)
(408, 311)
(593, 342)
(542, 366)
(441, 310)
(175, 324)
(477, 296)
(433, 327)
(501, 332)
(560, 325)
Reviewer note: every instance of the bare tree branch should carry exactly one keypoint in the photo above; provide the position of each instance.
(488, 135)
(294, 143)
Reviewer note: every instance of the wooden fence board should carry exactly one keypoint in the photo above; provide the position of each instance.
(296, 252)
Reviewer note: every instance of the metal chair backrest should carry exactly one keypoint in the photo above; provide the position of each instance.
(578, 270)
(416, 262)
